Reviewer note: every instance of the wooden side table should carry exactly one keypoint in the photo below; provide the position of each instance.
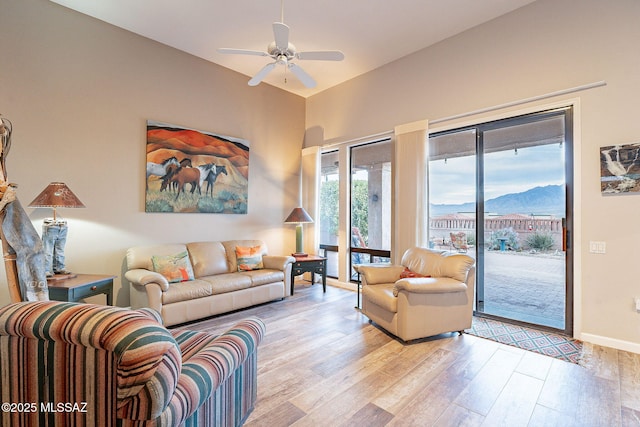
(82, 286)
(310, 264)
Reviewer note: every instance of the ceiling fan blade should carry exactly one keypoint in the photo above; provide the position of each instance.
(281, 35)
(255, 80)
(329, 55)
(242, 52)
(302, 75)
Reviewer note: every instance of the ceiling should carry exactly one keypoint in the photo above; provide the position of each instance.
(370, 33)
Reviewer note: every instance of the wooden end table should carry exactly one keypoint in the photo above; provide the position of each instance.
(82, 286)
(310, 264)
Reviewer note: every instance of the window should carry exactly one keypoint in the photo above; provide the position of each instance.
(329, 212)
(371, 203)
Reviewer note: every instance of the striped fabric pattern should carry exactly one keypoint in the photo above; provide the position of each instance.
(218, 383)
(127, 367)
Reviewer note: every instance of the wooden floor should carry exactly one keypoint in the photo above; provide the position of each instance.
(323, 364)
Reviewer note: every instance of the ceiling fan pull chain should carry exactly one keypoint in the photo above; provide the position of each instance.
(285, 74)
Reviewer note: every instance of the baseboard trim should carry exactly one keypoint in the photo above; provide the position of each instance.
(611, 342)
(338, 284)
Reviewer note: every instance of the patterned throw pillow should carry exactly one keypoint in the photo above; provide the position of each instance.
(176, 268)
(249, 258)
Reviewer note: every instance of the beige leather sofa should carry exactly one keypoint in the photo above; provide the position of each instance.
(218, 285)
(418, 307)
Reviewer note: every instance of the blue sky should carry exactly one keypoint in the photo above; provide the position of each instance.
(505, 172)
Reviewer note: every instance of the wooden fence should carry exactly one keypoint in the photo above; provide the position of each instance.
(523, 225)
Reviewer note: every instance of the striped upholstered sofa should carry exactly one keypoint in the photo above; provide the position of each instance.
(70, 364)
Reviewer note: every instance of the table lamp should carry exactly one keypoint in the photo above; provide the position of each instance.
(54, 231)
(298, 216)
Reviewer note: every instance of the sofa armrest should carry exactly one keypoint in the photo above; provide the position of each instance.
(277, 262)
(379, 274)
(206, 370)
(142, 277)
(429, 285)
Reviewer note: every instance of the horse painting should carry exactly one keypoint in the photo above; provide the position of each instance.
(194, 176)
(160, 169)
(213, 175)
(180, 159)
(170, 171)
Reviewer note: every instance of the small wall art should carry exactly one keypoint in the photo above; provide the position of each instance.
(620, 169)
(190, 171)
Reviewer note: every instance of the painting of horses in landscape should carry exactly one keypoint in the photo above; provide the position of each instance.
(195, 171)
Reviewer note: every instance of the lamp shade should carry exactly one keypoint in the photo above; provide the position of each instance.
(298, 216)
(56, 195)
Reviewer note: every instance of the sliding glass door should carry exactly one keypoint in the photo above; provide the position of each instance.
(499, 191)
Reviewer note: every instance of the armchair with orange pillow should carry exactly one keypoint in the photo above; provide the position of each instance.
(430, 293)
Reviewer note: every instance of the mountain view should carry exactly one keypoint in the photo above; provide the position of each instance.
(548, 200)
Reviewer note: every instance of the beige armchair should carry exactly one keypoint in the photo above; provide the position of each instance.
(431, 293)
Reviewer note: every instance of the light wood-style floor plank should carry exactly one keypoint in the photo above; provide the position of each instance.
(516, 402)
(323, 364)
(629, 365)
(484, 389)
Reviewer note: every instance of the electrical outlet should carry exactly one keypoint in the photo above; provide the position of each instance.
(597, 247)
(638, 305)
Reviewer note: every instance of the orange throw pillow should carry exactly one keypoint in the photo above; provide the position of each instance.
(249, 258)
(408, 273)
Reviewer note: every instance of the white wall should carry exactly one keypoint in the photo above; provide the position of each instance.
(79, 92)
(547, 46)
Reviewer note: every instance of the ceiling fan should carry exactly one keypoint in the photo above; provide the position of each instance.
(283, 53)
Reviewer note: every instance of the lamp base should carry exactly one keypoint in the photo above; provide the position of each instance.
(299, 255)
(57, 277)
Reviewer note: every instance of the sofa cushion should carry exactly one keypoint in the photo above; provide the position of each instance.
(175, 267)
(264, 276)
(208, 258)
(186, 291)
(249, 258)
(228, 282)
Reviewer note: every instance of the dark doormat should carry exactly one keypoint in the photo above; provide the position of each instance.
(547, 343)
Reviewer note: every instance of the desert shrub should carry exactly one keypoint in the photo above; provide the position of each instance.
(208, 205)
(159, 205)
(471, 239)
(240, 208)
(541, 241)
(509, 234)
(227, 195)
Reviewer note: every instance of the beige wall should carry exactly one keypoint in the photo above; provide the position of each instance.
(79, 92)
(548, 46)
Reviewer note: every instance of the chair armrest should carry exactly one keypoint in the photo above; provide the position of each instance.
(429, 285)
(206, 370)
(378, 274)
(142, 277)
(145, 355)
(277, 262)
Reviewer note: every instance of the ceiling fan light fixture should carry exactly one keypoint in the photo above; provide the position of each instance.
(282, 52)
